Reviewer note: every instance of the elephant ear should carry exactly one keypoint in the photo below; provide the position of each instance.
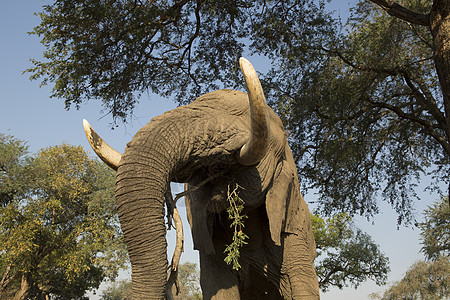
(285, 206)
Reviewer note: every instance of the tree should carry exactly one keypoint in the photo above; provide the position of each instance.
(423, 280)
(59, 234)
(369, 118)
(180, 48)
(367, 107)
(435, 230)
(188, 280)
(346, 256)
(12, 161)
(118, 291)
(428, 280)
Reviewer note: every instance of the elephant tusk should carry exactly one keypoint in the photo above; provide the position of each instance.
(106, 153)
(256, 146)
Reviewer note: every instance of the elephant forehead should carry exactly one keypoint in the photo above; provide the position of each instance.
(219, 106)
(225, 101)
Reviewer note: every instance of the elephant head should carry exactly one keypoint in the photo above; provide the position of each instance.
(224, 138)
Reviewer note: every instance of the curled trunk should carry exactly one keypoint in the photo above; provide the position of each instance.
(142, 180)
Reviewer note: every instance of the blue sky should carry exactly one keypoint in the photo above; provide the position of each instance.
(27, 112)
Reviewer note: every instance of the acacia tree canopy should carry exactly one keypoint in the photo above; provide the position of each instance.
(370, 118)
(367, 106)
(423, 280)
(59, 234)
(116, 50)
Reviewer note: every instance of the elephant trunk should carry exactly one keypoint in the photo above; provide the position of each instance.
(142, 179)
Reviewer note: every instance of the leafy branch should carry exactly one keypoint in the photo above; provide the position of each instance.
(239, 237)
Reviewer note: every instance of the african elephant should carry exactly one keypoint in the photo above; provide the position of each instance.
(221, 141)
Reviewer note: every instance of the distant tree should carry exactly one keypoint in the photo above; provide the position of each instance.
(367, 108)
(435, 230)
(59, 233)
(428, 280)
(346, 256)
(188, 280)
(12, 182)
(118, 291)
(423, 281)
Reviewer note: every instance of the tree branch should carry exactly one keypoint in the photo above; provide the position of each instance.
(6, 279)
(401, 12)
(427, 127)
(426, 100)
(326, 278)
(191, 41)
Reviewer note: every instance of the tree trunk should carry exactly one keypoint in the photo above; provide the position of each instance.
(6, 281)
(440, 29)
(24, 287)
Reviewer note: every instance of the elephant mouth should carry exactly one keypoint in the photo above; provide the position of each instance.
(218, 202)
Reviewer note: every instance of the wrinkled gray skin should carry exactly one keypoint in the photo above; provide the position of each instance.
(190, 144)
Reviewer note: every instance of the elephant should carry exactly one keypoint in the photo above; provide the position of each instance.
(224, 140)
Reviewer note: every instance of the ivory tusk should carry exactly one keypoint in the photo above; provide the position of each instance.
(106, 153)
(256, 146)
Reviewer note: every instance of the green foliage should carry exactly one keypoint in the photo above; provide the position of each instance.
(367, 118)
(59, 234)
(435, 230)
(12, 161)
(116, 50)
(428, 280)
(423, 280)
(235, 215)
(346, 256)
(362, 103)
(189, 281)
(330, 232)
(352, 117)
